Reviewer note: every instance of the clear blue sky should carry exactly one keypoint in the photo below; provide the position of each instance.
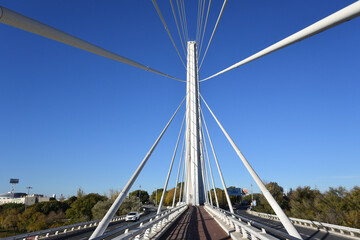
(71, 119)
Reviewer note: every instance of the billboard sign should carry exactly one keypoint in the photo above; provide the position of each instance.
(234, 191)
(14, 180)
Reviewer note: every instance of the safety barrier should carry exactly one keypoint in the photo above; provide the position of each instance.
(150, 227)
(245, 228)
(354, 232)
(48, 233)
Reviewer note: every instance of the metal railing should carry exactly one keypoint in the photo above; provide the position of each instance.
(354, 232)
(148, 227)
(245, 227)
(48, 233)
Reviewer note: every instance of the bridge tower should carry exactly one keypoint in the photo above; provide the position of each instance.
(194, 185)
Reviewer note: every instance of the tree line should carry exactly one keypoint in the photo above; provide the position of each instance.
(336, 205)
(16, 219)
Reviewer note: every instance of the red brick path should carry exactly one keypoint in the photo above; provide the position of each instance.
(195, 224)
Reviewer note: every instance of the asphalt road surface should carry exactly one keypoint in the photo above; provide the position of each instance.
(113, 226)
(306, 233)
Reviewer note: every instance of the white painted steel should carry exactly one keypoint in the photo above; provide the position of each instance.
(206, 173)
(343, 15)
(212, 35)
(208, 159)
(115, 206)
(219, 169)
(147, 227)
(61, 230)
(206, 20)
(167, 29)
(178, 173)
(177, 26)
(342, 230)
(239, 229)
(17, 20)
(181, 193)
(170, 168)
(194, 184)
(181, 22)
(275, 206)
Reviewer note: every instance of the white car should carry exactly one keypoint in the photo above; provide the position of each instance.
(132, 216)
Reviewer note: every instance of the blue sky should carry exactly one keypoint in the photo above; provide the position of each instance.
(73, 119)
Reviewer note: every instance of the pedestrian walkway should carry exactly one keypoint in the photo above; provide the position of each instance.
(195, 224)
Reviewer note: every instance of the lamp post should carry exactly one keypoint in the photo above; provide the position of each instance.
(156, 197)
(139, 192)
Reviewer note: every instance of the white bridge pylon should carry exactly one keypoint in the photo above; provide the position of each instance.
(194, 185)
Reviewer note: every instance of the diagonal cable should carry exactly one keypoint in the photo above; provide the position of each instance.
(208, 159)
(275, 206)
(167, 29)
(212, 35)
(201, 21)
(206, 20)
(100, 229)
(184, 18)
(17, 20)
(198, 19)
(170, 168)
(341, 16)
(178, 173)
(177, 26)
(181, 21)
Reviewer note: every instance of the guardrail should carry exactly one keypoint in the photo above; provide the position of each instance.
(247, 228)
(148, 227)
(48, 233)
(353, 232)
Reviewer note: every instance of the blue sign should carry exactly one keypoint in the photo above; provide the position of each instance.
(234, 191)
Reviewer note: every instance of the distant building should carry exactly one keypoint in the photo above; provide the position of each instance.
(22, 198)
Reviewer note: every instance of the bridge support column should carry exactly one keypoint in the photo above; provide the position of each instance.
(194, 190)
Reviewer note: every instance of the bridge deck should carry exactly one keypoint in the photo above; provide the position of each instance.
(195, 223)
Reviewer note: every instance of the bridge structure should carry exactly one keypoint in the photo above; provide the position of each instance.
(197, 177)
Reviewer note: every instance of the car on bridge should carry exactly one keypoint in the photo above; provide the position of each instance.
(132, 216)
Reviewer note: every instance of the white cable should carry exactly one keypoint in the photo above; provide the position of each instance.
(218, 167)
(206, 20)
(205, 165)
(100, 229)
(181, 22)
(177, 26)
(185, 19)
(178, 173)
(181, 195)
(343, 15)
(212, 35)
(201, 21)
(167, 29)
(17, 20)
(210, 170)
(170, 168)
(275, 206)
(198, 20)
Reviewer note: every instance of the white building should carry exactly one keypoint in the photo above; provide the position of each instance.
(22, 198)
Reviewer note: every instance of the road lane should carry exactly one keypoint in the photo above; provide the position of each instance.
(306, 233)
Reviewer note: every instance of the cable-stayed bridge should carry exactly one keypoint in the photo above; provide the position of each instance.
(194, 169)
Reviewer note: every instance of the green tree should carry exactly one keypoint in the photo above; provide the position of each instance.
(80, 193)
(81, 208)
(130, 204)
(302, 203)
(144, 196)
(278, 193)
(100, 208)
(156, 196)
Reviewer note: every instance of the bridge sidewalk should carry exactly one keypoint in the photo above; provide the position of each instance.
(194, 224)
